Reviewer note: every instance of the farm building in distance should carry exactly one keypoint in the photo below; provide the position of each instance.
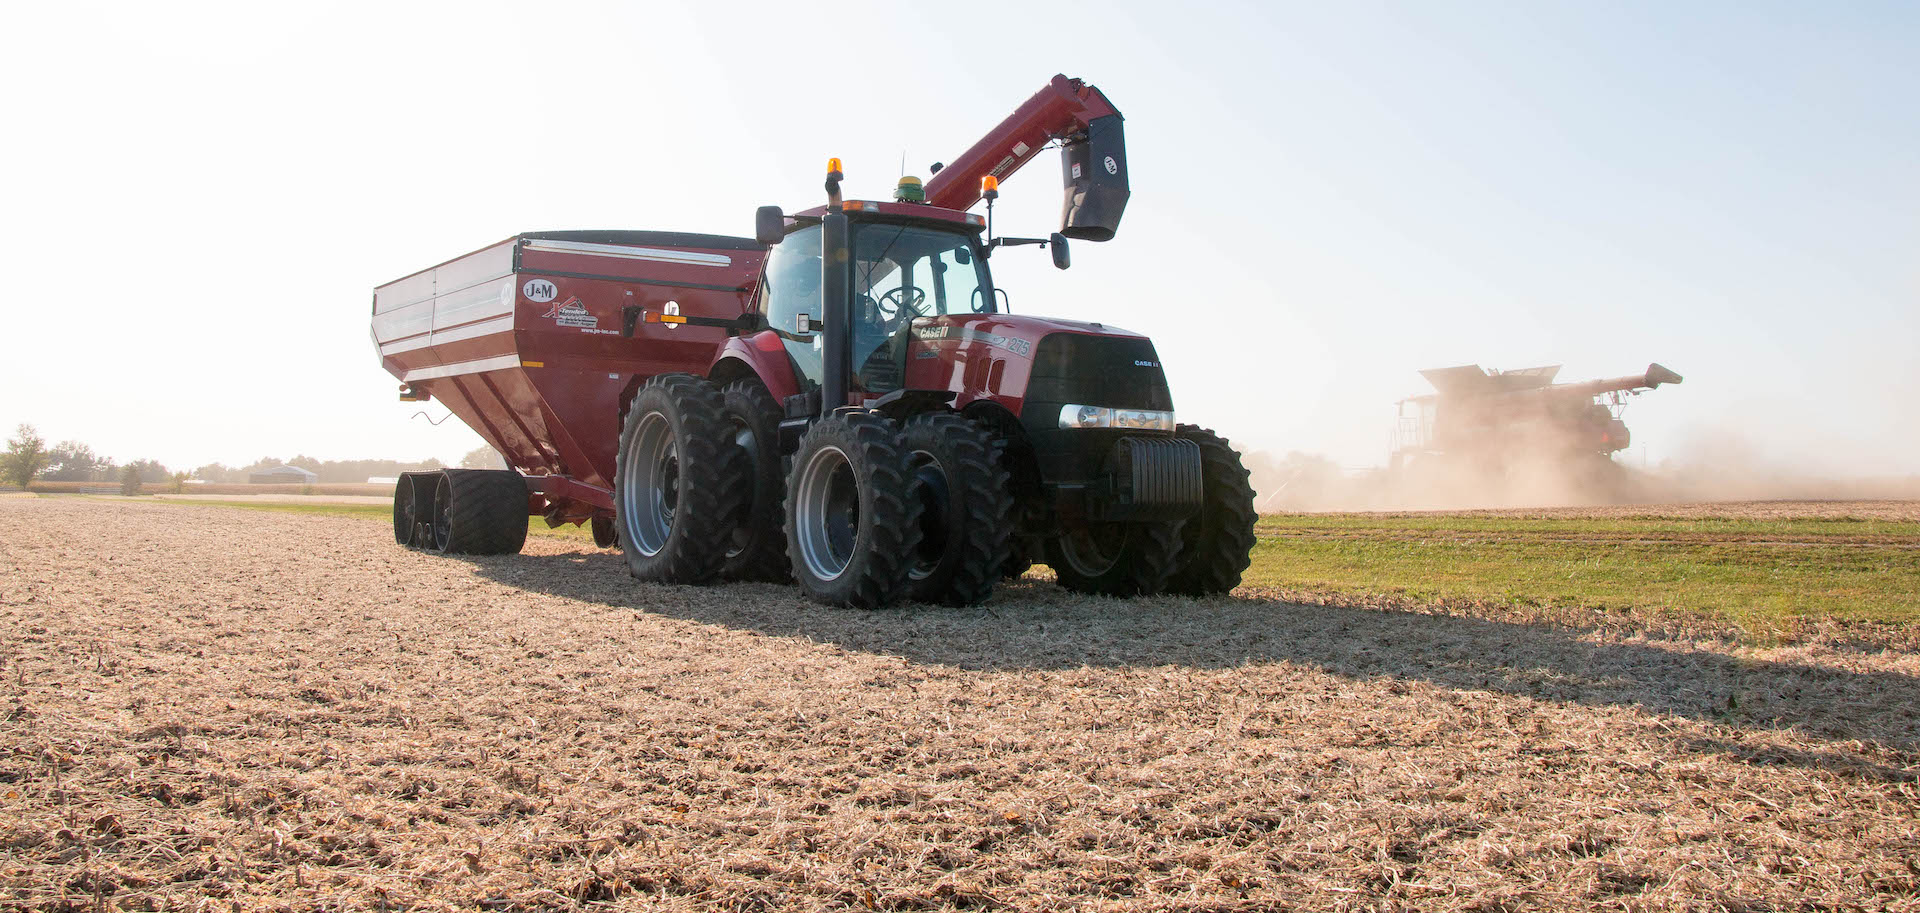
(283, 475)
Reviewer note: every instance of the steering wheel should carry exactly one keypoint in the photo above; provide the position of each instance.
(906, 297)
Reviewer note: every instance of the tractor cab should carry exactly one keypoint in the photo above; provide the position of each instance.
(906, 264)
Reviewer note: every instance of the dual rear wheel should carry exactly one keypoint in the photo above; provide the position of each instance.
(872, 511)
(852, 522)
(878, 511)
(677, 481)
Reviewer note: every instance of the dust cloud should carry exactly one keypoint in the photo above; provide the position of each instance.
(1712, 466)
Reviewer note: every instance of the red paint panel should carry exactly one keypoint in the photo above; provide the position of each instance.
(763, 353)
(550, 401)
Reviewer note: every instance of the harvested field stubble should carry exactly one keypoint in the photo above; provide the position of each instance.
(288, 711)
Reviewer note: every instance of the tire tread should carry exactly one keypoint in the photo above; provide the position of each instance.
(877, 574)
(979, 482)
(711, 481)
(1216, 545)
(765, 557)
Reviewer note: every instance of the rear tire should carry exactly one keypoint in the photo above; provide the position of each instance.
(966, 511)
(677, 486)
(757, 549)
(852, 521)
(1115, 559)
(479, 512)
(1216, 543)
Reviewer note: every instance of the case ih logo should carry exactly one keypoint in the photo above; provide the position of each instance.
(571, 313)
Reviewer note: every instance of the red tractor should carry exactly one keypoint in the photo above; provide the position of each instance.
(871, 424)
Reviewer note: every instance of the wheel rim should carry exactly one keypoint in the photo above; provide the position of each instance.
(1093, 550)
(742, 538)
(827, 513)
(930, 485)
(650, 485)
(442, 515)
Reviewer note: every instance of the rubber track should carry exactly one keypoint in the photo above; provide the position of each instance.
(877, 575)
(980, 484)
(488, 512)
(1217, 543)
(711, 482)
(765, 557)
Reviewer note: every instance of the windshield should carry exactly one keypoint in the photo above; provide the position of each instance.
(921, 272)
(900, 272)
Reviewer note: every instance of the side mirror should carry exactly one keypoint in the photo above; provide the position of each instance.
(1057, 243)
(769, 225)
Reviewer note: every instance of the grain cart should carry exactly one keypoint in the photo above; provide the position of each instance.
(840, 400)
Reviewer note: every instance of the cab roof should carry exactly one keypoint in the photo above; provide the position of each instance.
(905, 210)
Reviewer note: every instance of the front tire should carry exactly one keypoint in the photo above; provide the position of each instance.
(1216, 543)
(966, 511)
(852, 521)
(1115, 559)
(677, 485)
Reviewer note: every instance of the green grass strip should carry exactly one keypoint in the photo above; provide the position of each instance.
(1758, 585)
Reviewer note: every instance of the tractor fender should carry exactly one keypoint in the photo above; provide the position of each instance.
(760, 355)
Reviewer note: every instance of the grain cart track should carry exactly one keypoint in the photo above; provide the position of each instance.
(281, 710)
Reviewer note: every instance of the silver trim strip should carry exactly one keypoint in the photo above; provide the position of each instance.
(684, 257)
(483, 328)
(496, 363)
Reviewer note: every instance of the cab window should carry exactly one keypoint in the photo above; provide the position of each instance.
(790, 299)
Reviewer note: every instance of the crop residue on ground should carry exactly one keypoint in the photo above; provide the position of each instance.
(282, 710)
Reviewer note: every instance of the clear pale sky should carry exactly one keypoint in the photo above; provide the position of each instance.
(1327, 197)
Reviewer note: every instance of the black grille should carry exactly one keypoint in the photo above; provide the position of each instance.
(1121, 372)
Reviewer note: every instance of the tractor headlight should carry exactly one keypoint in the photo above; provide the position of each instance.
(1077, 416)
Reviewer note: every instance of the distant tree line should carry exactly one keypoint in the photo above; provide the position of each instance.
(328, 470)
(28, 458)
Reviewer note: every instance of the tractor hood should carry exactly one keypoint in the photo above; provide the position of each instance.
(1007, 331)
(1016, 359)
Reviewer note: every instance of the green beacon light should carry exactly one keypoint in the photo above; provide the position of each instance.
(909, 190)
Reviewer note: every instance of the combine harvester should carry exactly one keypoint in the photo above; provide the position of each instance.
(839, 400)
(1481, 425)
